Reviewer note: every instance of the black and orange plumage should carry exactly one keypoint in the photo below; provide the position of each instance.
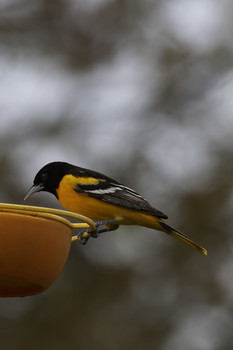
(102, 199)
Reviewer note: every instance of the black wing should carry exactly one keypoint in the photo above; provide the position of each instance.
(113, 192)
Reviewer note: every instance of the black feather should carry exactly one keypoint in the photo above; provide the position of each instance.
(119, 195)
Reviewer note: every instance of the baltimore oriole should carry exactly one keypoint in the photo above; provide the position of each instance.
(102, 199)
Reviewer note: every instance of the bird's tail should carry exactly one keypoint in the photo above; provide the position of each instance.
(156, 223)
(179, 235)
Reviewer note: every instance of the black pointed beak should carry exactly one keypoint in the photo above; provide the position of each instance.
(34, 189)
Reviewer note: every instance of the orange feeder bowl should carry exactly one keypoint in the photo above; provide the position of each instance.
(34, 246)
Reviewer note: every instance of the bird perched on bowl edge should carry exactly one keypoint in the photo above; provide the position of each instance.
(103, 199)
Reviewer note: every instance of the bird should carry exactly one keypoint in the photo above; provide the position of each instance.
(106, 201)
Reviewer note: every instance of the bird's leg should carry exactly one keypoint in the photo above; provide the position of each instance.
(110, 225)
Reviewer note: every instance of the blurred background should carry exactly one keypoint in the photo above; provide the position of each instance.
(141, 91)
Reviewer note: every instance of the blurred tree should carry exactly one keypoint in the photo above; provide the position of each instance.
(140, 91)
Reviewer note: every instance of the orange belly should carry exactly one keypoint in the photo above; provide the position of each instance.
(98, 210)
(83, 204)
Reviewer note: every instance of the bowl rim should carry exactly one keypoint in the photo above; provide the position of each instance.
(52, 214)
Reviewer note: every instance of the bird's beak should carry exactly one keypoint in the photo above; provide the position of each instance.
(34, 189)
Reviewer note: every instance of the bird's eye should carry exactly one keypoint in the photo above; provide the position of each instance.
(44, 177)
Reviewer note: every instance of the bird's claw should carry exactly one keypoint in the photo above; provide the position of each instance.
(82, 240)
(84, 235)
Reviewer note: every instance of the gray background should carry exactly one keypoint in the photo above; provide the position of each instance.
(141, 91)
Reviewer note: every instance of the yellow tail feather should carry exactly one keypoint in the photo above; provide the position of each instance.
(179, 235)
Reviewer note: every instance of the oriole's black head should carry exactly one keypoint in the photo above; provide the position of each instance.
(48, 178)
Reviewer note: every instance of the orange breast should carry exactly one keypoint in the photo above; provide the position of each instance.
(82, 203)
(97, 209)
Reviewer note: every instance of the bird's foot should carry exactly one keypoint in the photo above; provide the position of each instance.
(83, 236)
(110, 225)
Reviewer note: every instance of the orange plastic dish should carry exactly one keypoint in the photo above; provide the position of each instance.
(34, 246)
